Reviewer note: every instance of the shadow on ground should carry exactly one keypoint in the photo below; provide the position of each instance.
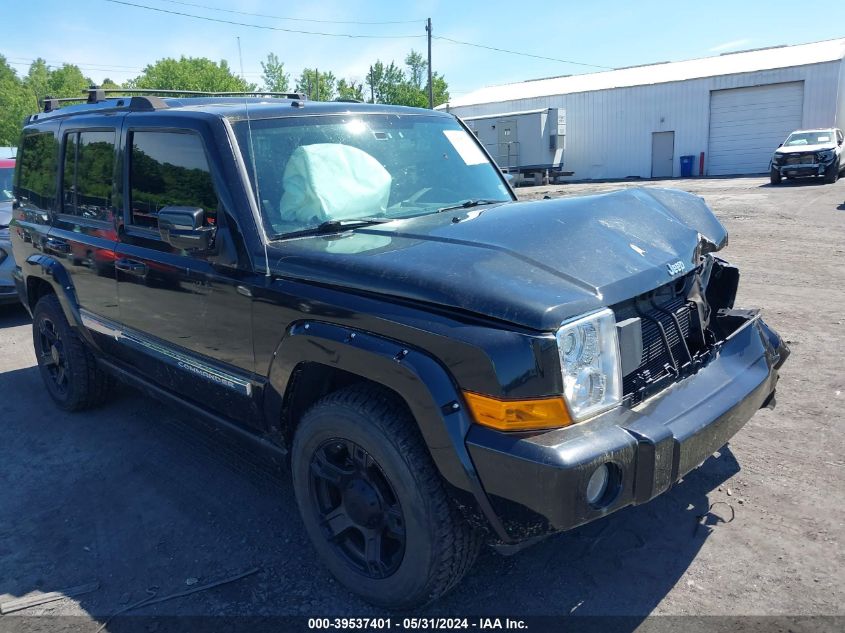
(13, 315)
(139, 500)
(796, 182)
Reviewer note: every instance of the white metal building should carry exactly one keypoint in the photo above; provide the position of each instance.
(735, 108)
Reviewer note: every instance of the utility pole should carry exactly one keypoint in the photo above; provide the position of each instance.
(430, 87)
(372, 89)
(317, 83)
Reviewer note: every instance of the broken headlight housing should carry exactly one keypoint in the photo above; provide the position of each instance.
(589, 359)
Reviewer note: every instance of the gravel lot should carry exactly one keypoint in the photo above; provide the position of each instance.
(133, 496)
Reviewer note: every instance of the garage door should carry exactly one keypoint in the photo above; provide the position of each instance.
(747, 124)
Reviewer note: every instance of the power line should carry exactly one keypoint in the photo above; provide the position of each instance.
(94, 67)
(263, 26)
(504, 50)
(56, 61)
(83, 68)
(348, 35)
(279, 17)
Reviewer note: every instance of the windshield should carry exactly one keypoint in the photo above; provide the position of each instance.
(317, 169)
(6, 176)
(809, 138)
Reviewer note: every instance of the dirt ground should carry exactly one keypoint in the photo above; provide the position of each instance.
(131, 496)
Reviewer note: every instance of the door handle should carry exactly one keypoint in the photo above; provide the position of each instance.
(131, 267)
(57, 246)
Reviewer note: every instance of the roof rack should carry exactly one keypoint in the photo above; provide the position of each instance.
(148, 99)
(197, 93)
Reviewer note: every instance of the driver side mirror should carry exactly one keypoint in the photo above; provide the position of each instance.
(780, 144)
(182, 227)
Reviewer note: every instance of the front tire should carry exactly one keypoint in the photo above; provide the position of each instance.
(67, 367)
(774, 176)
(373, 503)
(831, 174)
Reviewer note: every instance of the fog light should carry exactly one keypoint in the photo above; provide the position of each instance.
(597, 485)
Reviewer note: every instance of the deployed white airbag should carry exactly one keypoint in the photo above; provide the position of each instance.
(331, 181)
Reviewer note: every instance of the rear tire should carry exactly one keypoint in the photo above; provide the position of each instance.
(774, 176)
(364, 482)
(69, 370)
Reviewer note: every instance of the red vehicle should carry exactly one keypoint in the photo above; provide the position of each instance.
(7, 173)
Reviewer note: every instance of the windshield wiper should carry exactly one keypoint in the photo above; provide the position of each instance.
(332, 226)
(468, 204)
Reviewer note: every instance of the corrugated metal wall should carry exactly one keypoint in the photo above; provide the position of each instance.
(609, 131)
(840, 111)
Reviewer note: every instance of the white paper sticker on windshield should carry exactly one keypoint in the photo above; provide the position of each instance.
(466, 147)
(823, 139)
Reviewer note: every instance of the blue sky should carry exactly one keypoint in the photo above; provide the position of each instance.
(116, 41)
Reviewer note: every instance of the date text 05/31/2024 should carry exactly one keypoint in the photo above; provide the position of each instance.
(481, 624)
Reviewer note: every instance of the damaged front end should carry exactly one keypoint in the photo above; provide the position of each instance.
(670, 333)
(695, 370)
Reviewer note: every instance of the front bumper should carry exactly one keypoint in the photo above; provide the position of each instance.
(537, 483)
(803, 169)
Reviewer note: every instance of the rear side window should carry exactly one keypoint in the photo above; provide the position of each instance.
(87, 174)
(169, 169)
(37, 171)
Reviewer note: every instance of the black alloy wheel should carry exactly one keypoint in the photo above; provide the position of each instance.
(357, 508)
(372, 502)
(68, 368)
(51, 354)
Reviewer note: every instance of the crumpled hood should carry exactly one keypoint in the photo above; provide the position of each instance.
(533, 264)
(800, 149)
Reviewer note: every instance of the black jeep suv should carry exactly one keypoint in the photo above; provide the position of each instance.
(356, 286)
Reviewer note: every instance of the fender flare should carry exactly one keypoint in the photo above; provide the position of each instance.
(54, 273)
(420, 380)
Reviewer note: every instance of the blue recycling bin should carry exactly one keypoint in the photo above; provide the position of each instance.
(686, 166)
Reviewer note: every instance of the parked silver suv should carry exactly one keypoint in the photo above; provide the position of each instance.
(809, 153)
(8, 294)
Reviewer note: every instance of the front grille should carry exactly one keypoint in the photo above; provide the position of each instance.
(808, 158)
(672, 346)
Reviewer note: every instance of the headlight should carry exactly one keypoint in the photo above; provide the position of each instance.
(777, 158)
(589, 358)
(824, 156)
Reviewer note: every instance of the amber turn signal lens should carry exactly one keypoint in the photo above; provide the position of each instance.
(518, 415)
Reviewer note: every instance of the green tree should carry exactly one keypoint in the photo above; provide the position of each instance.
(390, 84)
(16, 102)
(190, 73)
(108, 84)
(384, 82)
(273, 74)
(350, 90)
(417, 69)
(407, 94)
(38, 78)
(440, 89)
(67, 81)
(319, 86)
